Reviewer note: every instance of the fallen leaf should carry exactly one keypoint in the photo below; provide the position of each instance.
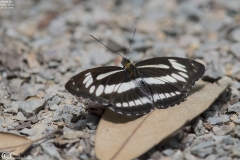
(123, 137)
(13, 143)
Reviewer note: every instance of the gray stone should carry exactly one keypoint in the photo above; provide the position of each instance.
(234, 108)
(189, 156)
(177, 155)
(47, 74)
(228, 140)
(235, 34)
(235, 48)
(83, 157)
(203, 145)
(214, 72)
(28, 132)
(225, 81)
(211, 157)
(31, 108)
(187, 140)
(237, 132)
(53, 64)
(56, 100)
(168, 152)
(156, 155)
(198, 128)
(203, 152)
(25, 91)
(217, 120)
(191, 10)
(20, 117)
(13, 108)
(54, 107)
(223, 130)
(51, 150)
(236, 69)
(66, 117)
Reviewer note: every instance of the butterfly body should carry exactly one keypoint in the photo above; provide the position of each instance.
(136, 89)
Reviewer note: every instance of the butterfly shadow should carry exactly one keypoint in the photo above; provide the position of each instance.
(114, 117)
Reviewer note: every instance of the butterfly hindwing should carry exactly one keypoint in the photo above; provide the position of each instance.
(132, 98)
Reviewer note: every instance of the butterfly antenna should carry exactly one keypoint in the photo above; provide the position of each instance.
(131, 42)
(107, 46)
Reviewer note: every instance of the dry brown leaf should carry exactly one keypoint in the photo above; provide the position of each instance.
(141, 134)
(13, 143)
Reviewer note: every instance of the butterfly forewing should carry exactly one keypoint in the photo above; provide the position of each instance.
(96, 84)
(169, 78)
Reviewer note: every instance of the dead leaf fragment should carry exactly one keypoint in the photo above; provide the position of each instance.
(114, 129)
(14, 143)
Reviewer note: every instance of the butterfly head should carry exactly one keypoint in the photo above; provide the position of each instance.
(125, 62)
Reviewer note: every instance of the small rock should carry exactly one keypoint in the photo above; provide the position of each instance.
(223, 130)
(83, 157)
(54, 107)
(47, 74)
(235, 48)
(177, 155)
(211, 157)
(202, 145)
(32, 107)
(56, 100)
(218, 120)
(51, 150)
(187, 141)
(168, 152)
(28, 132)
(156, 155)
(225, 81)
(73, 135)
(66, 117)
(228, 140)
(203, 152)
(25, 91)
(235, 34)
(198, 128)
(236, 132)
(191, 10)
(13, 108)
(214, 72)
(20, 117)
(235, 108)
(189, 156)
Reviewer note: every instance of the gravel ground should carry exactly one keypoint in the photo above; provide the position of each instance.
(44, 43)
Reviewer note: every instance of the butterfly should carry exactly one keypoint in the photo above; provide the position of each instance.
(136, 89)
